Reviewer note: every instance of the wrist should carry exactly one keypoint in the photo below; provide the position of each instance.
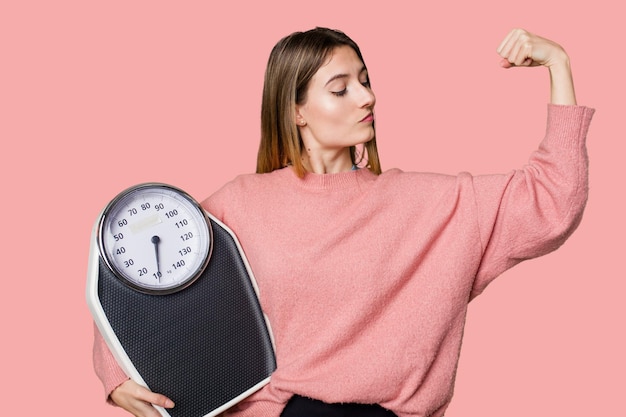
(560, 71)
(562, 83)
(560, 62)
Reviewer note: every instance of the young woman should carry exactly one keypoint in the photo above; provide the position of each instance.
(366, 275)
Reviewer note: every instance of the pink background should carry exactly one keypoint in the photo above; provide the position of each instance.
(98, 96)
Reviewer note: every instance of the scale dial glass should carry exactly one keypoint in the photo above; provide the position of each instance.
(155, 238)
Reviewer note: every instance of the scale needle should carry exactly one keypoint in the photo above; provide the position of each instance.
(156, 240)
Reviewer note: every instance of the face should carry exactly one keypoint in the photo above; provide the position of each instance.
(339, 104)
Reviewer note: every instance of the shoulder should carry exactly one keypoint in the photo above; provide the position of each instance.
(397, 178)
(241, 188)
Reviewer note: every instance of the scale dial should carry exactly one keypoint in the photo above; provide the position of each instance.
(155, 238)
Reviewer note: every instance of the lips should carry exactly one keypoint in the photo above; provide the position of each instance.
(368, 118)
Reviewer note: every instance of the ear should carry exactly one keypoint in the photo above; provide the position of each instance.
(300, 121)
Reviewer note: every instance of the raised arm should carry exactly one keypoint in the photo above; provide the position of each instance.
(530, 212)
(524, 49)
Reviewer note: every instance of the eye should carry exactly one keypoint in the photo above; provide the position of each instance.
(366, 83)
(340, 93)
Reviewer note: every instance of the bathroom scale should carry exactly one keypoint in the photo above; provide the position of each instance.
(173, 295)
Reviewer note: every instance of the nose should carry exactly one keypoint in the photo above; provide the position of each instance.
(366, 97)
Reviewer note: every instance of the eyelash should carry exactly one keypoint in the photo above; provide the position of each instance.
(345, 90)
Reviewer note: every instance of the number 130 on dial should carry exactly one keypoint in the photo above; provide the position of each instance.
(155, 238)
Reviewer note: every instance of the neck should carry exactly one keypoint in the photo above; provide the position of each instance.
(327, 162)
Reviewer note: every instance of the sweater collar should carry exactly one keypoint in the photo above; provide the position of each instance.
(337, 181)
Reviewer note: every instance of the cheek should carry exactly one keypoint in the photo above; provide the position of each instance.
(328, 111)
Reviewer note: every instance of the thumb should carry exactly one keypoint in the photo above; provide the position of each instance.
(528, 62)
(504, 63)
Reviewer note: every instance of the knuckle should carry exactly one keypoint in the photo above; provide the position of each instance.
(139, 391)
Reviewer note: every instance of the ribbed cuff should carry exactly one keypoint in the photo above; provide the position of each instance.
(568, 122)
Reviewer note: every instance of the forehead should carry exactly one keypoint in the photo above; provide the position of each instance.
(343, 60)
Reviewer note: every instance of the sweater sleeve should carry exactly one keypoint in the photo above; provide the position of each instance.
(105, 365)
(221, 200)
(532, 211)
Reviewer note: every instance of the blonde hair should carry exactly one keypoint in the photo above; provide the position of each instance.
(291, 65)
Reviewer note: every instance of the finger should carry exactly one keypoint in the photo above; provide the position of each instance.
(517, 48)
(148, 396)
(141, 409)
(160, 400)
(510, 43)
(524, 54)
(504, 46)
(139, 400)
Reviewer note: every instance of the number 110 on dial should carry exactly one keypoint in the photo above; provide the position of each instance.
(155, 238)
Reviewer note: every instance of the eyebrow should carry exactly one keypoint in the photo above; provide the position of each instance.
(338, 76)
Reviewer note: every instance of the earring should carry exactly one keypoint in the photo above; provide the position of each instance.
(301, 122)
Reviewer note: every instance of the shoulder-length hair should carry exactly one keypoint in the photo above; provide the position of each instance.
(291, 65)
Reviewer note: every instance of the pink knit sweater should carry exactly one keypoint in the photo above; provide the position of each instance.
(366, 279)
